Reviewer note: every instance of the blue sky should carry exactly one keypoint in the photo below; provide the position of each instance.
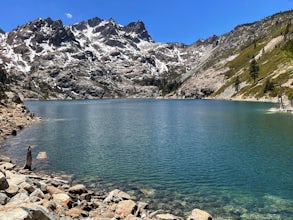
(166, 20)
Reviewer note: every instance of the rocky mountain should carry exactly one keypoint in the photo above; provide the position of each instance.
(92, 59)
(101, 59)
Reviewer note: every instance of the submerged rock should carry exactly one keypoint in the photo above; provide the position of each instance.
(198, 214)
(42, 156)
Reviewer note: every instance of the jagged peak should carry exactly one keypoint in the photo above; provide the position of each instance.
(138, 28)
(93, 22)
(2, 31)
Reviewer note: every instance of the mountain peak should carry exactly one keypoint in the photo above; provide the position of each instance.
(139, 29)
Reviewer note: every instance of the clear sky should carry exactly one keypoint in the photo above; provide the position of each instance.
(166, 20)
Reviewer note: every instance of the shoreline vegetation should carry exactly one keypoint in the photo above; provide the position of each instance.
(28, 194)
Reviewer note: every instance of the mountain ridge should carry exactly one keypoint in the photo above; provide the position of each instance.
(99, 58)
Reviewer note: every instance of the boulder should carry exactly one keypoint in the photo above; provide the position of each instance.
(28, 187)
(74, 212)
(38, 193)
(198, 214)
(125, 208)
(116, 196)
(16, 213)
(15, 178)
(12, 190)
(37, 212)
(7, 166)
(42, 185)
(20, 197)
(3, 198)
(62, 199)
(5, 159)
(3, 182)
(54, 190)
(42, 156)
(78, 189)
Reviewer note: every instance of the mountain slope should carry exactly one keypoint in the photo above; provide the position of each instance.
(100, 58)
(269, 41)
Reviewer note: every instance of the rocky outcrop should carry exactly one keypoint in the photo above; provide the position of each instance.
(14, 116)
(28, 195)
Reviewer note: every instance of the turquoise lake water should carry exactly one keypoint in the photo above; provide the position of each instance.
(232, 159)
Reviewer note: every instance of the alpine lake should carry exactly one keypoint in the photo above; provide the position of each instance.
(231, 159)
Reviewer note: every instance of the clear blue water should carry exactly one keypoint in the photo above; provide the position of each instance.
(232, 159)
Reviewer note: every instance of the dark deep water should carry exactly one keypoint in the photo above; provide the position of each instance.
(232, 159)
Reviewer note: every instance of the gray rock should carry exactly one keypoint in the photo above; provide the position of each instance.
(125, 208)
(37, 193)
(198, 214)
(78, 189)
(37, 212)
(116, 196)
(42, 156)
(20, 197)
(3, 198)
(28, 187)
(3, 182)
(5, 159)
(7, 166)
(16, 213)
(12, 190)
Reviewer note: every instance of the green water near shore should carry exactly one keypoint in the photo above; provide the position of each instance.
(232, 159)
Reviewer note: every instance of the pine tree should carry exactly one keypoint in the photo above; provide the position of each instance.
(254, 69)
(237, 83)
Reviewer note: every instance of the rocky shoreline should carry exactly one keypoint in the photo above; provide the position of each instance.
(25, 194)
(14, 116)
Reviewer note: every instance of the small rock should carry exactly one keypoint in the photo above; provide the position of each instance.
(53, 190)
(12, 190)
(198, 214)
(7, 166)
(3, 198)
(28, 187)
(116, 196)
(125, 208)
(3, 182)
(5, 159)
(38, 193)
(37, 212)
(167, 217)
(42, 156)
(49, 204)
(74, 212)
(78, 189)
(132, 217)
(20, 197)
(42, 185)
(16, 213)
(62, 199)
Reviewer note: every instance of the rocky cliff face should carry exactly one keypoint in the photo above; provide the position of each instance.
(99, 58)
